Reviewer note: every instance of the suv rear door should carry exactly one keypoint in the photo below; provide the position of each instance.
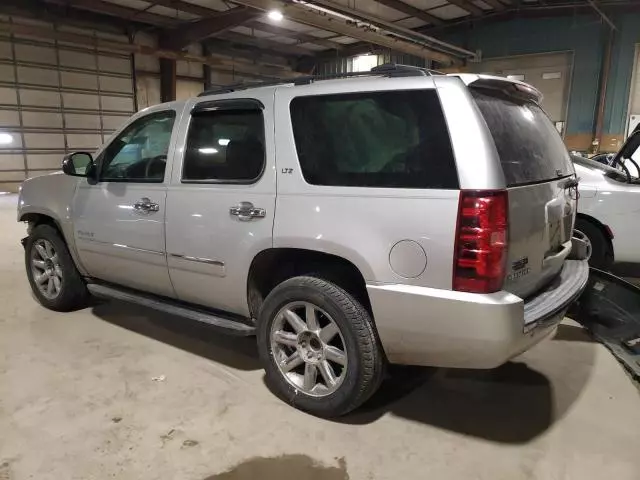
(540, 181)
(221, 199)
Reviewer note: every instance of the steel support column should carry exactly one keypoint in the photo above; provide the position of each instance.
(167, 79)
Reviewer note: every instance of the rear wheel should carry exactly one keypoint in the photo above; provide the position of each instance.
(53, 276)
(318, 346)
(602, 253)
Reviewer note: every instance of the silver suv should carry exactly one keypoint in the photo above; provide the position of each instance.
(401, 216)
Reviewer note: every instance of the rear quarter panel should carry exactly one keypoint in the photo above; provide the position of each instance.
(361, 224)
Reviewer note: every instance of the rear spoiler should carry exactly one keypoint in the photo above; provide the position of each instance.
(512, 88)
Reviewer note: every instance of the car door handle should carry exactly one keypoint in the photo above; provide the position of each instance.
(144, 205)
(245, 211)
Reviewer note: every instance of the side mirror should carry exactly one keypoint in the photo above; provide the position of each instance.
(78, 164)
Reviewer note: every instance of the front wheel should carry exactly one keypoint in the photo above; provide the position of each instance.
(319, 348)
(53, 276)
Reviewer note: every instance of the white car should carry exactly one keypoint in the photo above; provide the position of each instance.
(609, 205)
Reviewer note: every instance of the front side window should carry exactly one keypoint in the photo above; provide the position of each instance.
(224, 146)
(388, 139)
(139, 152)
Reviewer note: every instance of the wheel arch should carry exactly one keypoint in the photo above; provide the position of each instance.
(604, 229)
(272, 266)
(36, 217)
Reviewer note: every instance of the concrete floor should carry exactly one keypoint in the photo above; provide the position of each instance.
(116, 391)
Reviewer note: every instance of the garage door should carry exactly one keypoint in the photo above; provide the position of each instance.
(57, 97)
(550, 73)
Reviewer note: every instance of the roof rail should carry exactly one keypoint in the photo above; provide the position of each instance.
(391, 70)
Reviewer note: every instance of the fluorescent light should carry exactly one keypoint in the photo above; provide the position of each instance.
(223, 142)
(208, 150)
(6, 139)
(275, 15)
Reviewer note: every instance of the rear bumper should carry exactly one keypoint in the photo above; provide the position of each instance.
(427, 326)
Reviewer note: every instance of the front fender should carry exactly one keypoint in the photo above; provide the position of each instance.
(51, 196)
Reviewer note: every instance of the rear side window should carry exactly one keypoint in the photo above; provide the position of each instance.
(376, 139)
(224, 146)
(528, 144)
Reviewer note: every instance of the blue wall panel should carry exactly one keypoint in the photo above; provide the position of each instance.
(580, 34)
(619, 83)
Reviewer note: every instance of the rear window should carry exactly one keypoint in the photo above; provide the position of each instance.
(528, 144)
(375, 139)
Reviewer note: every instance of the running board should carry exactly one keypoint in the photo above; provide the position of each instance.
(227, 324)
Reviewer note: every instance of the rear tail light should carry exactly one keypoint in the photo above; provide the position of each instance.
(481, 241)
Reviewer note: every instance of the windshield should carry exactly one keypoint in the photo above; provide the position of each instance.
(529, 146)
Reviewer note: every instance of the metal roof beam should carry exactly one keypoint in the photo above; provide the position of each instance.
(468, 6)
(119, 11)
(186, 7)
(284, 32)
(412, 11)
(345, 25)
(193, 32)
(263, 43)
(496, 4)
(262, 55)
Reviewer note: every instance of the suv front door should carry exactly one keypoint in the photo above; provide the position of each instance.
(221, 200)
(119, 221)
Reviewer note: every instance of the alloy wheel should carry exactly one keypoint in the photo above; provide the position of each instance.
(309, 349)
(46, 269)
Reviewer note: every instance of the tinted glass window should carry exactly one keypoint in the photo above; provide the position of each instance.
(139, 152)
(377, 139)
(528, 144)
(224, 146)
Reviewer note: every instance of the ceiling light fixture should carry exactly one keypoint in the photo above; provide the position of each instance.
(275, 15)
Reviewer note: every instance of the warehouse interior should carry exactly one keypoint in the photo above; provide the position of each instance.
(73, 71)
(115, 391)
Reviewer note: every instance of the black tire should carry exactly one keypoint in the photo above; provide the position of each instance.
(366, 362)
(73, 292)
(602, 253)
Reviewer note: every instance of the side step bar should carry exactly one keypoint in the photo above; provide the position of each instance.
(227, 324)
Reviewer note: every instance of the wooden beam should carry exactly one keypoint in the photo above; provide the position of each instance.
(285, 32)
(306, 15)
(412, 11)
(193, 32)
(468, 6)
(222, 64)
(119, 11)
